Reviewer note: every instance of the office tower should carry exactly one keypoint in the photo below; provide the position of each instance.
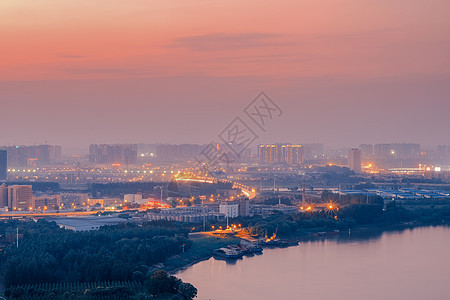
(20, 197)
(3, 164)
(354, 159)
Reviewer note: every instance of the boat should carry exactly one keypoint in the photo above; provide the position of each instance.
(327, 233)
(274, 241)
(227, 253)
(252, 247)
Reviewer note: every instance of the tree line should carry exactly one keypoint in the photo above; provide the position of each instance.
(47, 253)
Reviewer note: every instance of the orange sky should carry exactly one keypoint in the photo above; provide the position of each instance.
(48, 39)
(381, 64)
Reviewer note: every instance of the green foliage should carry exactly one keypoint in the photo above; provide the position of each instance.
(71, 290)
(160, 283)
(50, 254)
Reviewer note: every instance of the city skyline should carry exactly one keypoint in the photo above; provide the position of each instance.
(343, 74)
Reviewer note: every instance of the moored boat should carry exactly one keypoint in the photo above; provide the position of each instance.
(227, 253)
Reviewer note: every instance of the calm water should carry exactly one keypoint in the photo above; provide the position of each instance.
(411, 264)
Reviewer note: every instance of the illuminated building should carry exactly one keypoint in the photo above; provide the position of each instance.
(20, 197)
(281, 153)
(130, 198)
(74, 199)
(3, 196)
(354, 159)
(292, 154)
(46, 202)
(269, 154)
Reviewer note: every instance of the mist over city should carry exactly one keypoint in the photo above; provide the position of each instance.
(224, 150)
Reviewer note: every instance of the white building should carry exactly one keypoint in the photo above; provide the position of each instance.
(354, 160)
(132, 198)
(229, 210)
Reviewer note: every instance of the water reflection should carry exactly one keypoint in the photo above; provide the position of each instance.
(396, 264)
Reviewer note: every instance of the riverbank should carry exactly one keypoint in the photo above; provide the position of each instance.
(203, 245)
(201, 249)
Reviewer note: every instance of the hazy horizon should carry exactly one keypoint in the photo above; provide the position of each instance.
(343, 73)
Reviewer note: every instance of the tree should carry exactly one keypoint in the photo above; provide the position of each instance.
(187, 290)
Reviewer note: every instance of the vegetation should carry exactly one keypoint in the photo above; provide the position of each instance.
(48, 254)
(159, 285)
(347, 217)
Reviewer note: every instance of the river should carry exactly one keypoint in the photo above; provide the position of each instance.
(400, 265)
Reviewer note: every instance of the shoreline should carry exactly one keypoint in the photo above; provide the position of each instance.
(304, 236)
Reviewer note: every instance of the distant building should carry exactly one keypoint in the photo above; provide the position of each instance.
(192, 214)
(244, 207)
(313, 151)
(3, 196)
(132, 198)
(280, 153)
(47, 202)
(39, 155)
(397, 151)
(20, 197)
(177, 153)
(265, 210)
(229, 210)
(366, 151)
(104, 202)
(354, 159)
(3, 164)
(74, 199)
(86, 223)
(113, 154)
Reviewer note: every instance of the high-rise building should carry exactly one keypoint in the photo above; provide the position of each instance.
(178, 153)
(292, 154)
(113, 154)
(23, 156)
(269, 154)
(3, 196)
(281, 153)
(354, 159)
(313, 151)
(244, 207)
(397, 151)
(366, 151)
(20, 197)
(3, 164)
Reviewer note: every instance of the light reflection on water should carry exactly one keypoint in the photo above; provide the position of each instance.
(408, 264)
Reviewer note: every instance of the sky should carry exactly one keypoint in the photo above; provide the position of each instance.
(343, 72)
